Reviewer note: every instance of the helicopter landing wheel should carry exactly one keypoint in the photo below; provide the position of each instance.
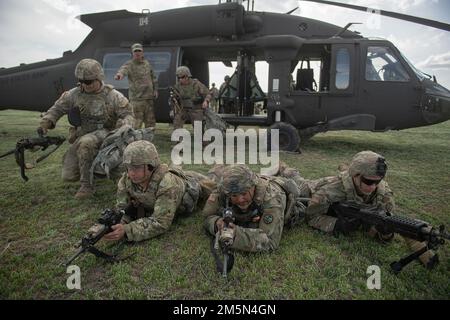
(289, 139)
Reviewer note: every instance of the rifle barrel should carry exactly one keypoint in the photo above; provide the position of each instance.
(8, 153)
(225, 265)
(82, 250)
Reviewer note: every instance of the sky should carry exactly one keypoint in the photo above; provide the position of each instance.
(32, 31)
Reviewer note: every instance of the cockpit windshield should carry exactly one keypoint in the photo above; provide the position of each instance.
(420, 74)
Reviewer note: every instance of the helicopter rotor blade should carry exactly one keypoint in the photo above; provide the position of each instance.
(423, 21)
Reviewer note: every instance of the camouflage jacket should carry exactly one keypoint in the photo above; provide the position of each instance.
(193, 94)
(98, 111)
(263, 235)
(214, 92)
(338, 189)
(141, 78)
(166, 196)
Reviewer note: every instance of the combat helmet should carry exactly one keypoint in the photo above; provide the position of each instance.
(137, 47)
(141, 152)
(237, 179)
(183, 71)
(89, 69)
(368, 163)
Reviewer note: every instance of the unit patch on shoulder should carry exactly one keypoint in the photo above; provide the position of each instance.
(268, 218)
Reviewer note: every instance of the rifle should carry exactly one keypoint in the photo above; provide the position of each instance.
(174, 101)
(105, 222)
(386, 223)
(226, 265)
(30, 144)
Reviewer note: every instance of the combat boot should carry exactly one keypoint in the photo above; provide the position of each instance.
(84, 192)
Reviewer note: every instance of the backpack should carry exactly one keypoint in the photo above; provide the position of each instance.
(108, 162)
(214, 121)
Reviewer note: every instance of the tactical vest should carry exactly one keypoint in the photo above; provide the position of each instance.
(191, 193)
(190, 98)
(141, 80)
(295, 206)
(95, 110)
(245, 219)
(147, 200)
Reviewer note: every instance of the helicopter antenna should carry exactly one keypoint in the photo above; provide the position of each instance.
(289, 12)
(423, 21)
(345, 29)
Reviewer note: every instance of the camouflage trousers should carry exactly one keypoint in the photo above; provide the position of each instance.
(207, 185)
(214, 105)
(77, 160)
(144, 112)
(187, 114)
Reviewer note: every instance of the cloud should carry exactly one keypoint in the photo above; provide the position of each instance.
(54, 29)
(436, 62)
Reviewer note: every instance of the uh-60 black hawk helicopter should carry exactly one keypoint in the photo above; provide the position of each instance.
(363, 84)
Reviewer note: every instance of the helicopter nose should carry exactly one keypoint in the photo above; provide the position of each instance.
(436, 108)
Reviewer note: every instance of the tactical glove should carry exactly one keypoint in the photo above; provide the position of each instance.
(45, 125)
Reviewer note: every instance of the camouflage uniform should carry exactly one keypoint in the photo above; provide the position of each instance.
(226, 103)
(214, 92)
(143, 84)
(224, 84)
(191, 98)
(170, 192)
(255, 231)
(341, 188)
(284, 171)
(99, 113)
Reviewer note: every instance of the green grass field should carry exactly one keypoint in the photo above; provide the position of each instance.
(40, 222)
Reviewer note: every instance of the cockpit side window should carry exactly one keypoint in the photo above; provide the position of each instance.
(382, 65)
(159, 60)
(342, 69)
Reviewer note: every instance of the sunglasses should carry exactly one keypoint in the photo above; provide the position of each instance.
(86, 82)
(369, 182)
(179, 78)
